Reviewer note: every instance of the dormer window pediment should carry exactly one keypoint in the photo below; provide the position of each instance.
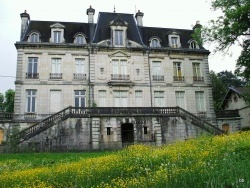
(57, 33)
(118, 32)
(174, 40)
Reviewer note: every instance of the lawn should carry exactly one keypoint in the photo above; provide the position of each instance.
(219, 161)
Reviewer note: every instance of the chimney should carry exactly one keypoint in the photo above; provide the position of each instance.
(197, 25)
(90, 12)
(138, 17)
(25, 17)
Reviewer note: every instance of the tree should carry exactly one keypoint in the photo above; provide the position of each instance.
(1, 102)
(231, 80)
(219, 90)
(233, 24)
(8, 105)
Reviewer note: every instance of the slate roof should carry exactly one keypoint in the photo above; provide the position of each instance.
(103, 30)
(71, 28)
(100, 31)
(241, 91)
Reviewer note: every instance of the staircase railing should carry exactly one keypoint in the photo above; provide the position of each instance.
(75, 112)
(200, 122)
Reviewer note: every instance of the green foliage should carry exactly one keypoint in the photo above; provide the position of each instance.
(1, 102)
(197, 36)
(245, 128)
(202, 162)
(8, 104)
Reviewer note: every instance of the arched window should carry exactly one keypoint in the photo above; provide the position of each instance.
(193, 45)
(155, 42)
(34, 37)
(80, 39)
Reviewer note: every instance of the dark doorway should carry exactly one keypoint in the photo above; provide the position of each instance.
(127, 134)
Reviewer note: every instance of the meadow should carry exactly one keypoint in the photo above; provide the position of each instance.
(208, 161)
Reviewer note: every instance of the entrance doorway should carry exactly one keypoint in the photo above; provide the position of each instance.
(127, 130)
(225, 127)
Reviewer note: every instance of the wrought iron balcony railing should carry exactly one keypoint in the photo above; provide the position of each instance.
(198, 79)
(55, 76)
(32, 75)
(80, 76)
(157, 78)
(179, 78)
(120, 77)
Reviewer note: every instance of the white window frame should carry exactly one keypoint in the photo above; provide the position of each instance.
(180, 99)
(118, 37)
(102, 98)
(196, 69)
(57, 27)
(31, 100)
(138, 98)
(159, 100)
(80, 65)
(193, 45)
(34, 37)
(121, 98)
(56, 65)
(33, 65)
(200, 101)
(174, 43)
(82, 41)
(154, 42)
(80, 95)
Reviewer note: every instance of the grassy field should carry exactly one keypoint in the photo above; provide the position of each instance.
(220, 161)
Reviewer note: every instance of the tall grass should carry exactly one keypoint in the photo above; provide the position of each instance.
(220, 161)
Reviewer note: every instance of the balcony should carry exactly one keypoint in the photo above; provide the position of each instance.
(120, 77)
(157, 78)
(227, 113)
(80, 76)
(179, 78)
(198, 79)
(55, 76)
(32, 75)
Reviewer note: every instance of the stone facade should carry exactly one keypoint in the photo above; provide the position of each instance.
(117, 63)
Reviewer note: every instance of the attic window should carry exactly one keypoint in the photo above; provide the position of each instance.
(119, 38)
(80, 39)
(155, 42)
(57, 33)
(174, 40)
(34, 37)
(193, 45)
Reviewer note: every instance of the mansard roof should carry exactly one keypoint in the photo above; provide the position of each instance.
(103, 26)
(101, 31)
(70, 29)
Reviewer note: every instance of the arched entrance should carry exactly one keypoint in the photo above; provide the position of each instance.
(127, 132)
(1, 135)
(225, 128)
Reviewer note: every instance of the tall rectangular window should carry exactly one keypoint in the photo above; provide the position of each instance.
(121, 98)
(30, 100)
(177, 72)
(200, 101)
(79, 98)
(138, 99)
(197, 72)
(57, 36)
(56, 66)
(119, 69)
(32, 67)
(157, 71)
(180, 99)
(159, 98)
(102, 98)
(119, 38)
(80, 65)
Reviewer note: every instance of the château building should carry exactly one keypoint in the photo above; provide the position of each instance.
(110, 83)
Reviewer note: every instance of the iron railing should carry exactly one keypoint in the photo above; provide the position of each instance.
(74, 112)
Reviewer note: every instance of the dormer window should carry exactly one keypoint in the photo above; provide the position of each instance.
(119, 38)
(34, 37)
(118, 31)
(155, 42)
(80, 39)
(57, 33)
(193, 45)
(174, 40)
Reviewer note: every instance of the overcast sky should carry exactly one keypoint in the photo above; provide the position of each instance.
(181, 14)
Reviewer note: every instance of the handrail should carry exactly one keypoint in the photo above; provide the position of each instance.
(77, 112)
